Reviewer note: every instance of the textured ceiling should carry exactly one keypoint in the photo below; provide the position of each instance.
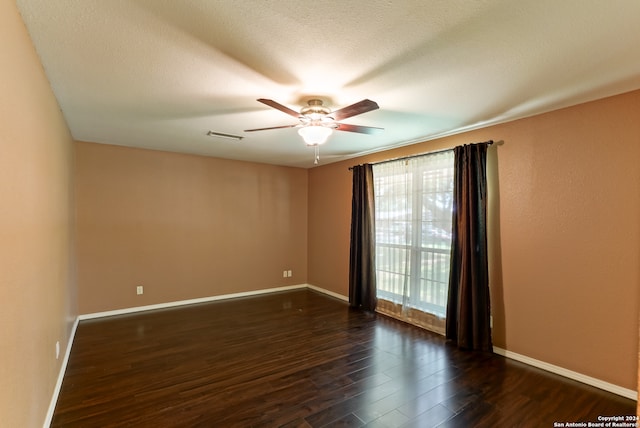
(160, 74)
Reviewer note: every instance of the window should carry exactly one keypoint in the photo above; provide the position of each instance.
(414, 199)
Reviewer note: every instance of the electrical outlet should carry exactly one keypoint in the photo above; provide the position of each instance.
(289, 273)
(284, 273)
(57, 349)
(139, 290)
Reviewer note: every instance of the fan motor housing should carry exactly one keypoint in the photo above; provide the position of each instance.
(315, 109)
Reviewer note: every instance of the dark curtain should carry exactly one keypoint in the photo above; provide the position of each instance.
(468, 305)
(362, 273)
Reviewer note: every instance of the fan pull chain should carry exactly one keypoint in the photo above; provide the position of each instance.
(317, 158)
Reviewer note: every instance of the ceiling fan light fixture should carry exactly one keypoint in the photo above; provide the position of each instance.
(314, 135)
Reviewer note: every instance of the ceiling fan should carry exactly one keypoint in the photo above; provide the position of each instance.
(317, 122)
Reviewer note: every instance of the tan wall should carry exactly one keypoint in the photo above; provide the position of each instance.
(564, 234)
(37, 295)
(183, 226)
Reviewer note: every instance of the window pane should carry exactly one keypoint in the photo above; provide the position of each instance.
(414, 200)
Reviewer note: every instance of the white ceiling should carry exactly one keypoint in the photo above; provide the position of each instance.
(159, 74)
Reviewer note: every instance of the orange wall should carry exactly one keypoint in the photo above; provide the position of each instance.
(564, 233)
(37, 292)
(183, 226)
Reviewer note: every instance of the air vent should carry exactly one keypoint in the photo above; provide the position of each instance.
(222, 135)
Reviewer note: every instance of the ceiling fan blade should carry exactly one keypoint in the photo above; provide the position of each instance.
(280, 107)
(360, 129)
(354, 109)
(273, 127)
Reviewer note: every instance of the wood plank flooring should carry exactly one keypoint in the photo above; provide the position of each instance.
(302, 359)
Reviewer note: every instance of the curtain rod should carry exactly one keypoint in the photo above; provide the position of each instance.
(490, 142)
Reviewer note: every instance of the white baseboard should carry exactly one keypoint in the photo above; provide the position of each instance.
(624, 392)
(63, 368)
(189, 302)
(328, 293)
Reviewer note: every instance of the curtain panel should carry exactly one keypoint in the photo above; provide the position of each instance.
(468, 306)
(362, 273)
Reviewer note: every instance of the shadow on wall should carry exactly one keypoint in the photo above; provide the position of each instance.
(499, 331)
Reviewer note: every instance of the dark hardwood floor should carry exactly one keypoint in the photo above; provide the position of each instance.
(301, 359)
